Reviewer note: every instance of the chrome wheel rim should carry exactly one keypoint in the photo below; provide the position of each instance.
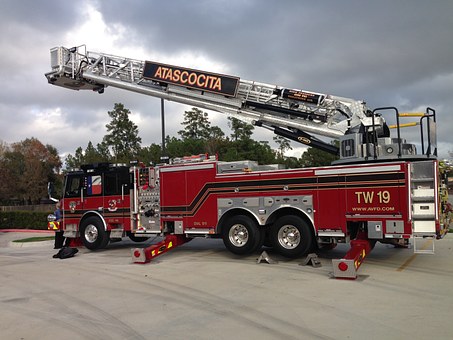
(91, 233)
(289, 237)
(238, 235)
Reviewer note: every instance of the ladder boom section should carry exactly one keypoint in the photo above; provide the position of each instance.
(256, 103)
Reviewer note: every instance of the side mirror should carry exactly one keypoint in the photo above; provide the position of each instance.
(50, 191)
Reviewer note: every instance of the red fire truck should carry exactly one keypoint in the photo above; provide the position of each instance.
(380, 189)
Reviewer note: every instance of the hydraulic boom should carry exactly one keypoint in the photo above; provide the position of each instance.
(294, 114)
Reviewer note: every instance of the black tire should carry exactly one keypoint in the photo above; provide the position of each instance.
(93, 234)
(291, 236)
(241, 235)
(267, 239)
(134, 238)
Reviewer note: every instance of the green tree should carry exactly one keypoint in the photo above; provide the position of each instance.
(316, 157)
(249, 149)
(122, 134)
(150, 154)
(243, 147)
(14, 163)
(216, 142)
(292, 162)
(283, 145)
(263, 153)
(241, 130)
(198, 136)
(176, 147)
(53, 163)
(103, 152)
(3, 171)
(74, 162)
(28, 166)
(196, 125)
(91, 155)
(3, 148)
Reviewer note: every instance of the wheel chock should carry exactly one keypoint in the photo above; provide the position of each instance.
(312, 260)
(265, 257)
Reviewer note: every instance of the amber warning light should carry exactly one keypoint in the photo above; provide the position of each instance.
(200, 80)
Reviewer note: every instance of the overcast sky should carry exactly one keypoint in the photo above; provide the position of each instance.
(387, 53)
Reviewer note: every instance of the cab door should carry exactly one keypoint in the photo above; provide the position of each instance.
(116, 186)
(72, 203)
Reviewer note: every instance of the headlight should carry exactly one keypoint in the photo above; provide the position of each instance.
(51, 218)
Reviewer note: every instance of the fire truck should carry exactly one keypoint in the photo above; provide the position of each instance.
(381, 189)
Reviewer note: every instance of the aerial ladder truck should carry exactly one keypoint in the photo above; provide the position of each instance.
(380, 188)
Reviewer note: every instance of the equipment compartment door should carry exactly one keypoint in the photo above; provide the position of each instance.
(331, 204)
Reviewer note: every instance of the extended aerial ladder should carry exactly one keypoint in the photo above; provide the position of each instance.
(294, 114)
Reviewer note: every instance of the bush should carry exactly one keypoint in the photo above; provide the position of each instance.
(23, 220)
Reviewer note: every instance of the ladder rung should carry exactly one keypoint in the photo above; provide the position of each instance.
(412, 114)
(404, 125)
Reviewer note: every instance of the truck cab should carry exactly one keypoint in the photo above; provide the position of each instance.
(96, 204)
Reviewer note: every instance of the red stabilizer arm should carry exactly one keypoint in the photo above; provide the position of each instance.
(145, 255)
(75, 242)
(346, 268)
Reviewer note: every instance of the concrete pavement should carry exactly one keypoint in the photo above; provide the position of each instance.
(201, 291)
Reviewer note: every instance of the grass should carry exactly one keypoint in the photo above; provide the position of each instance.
(35, 239)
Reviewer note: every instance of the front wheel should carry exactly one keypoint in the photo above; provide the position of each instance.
(93, 234)
(241, 235)
(291, 236)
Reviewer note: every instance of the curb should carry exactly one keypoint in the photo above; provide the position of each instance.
(26, 231)
(13, 244)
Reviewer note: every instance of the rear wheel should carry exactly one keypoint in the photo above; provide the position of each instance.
(93, 234)
(291, 236)
(241, 235)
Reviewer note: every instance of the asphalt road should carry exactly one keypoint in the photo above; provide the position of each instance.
(201, 291)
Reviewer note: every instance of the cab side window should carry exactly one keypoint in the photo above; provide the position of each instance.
(73, 185)
(94, 185)
(116, 183)
(111, 184)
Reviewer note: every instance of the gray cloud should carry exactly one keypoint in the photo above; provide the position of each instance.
(388, 53)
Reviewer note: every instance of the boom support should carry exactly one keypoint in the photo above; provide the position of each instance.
(292, 113)
(262, 104)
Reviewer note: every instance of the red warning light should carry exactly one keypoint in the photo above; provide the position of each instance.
(343, 266)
